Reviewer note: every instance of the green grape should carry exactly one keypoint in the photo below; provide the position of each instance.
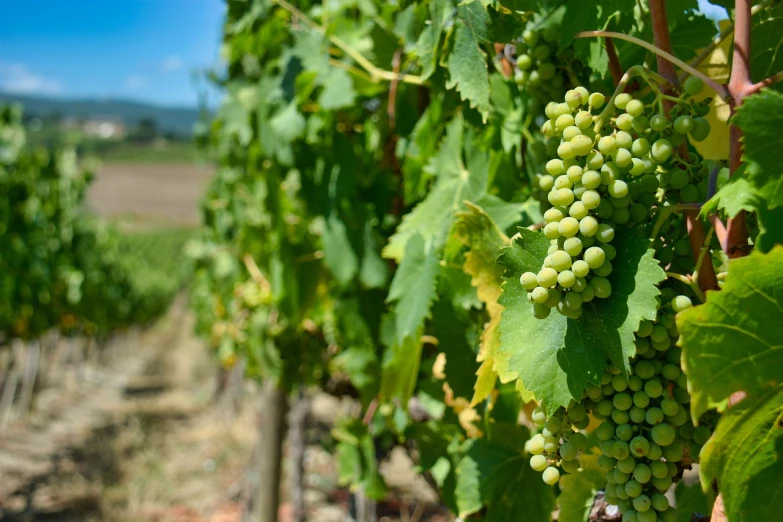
(602, 287)
(560, 259)
(641, 124)
(622, 100)
(573, 246)
(662, 434)
(642, 473)
(573, 99)
(645, 328)
(550, 446)
(634, 108)
(591, 200)
(528, 281)
(646, 516)
(547, 277)
(594, 160)
(555, 168)
(541, 311)
(659, 122)
(618, 188)
(530, 37)
(554, 298)
(568, 451)
(563, 197)
(551, 476)
(624, 122)
(683, 124)
(620, 451)
(659, 333)
(546, 71)
(591, 179)
(672, 452)
(606, 463)
(638, 212)
(639, 446)
(578, 191)
(622, 401)
(641, 399)
(566, 278)
(644, 369)
(595, 257)
(636, 414)
(620, 417)
(676, 139)
(635, 383)
(569, 133)
(606, 430)
(624, 139)
(654, 416)
(604, 209)
(553, 214)
(605, 233)
(689, 193)
(641, 503)
(624, 432)
(659, 502)
(596, 100)
(619, 383)
(583, 119)
(658, 469)
(630, 516)
(578, 210)
(661, 150)
(566, 150)
(681, 395)
(607, 145)
(540, 294)
(581, 145)
(563, 121)
(539, 462)
(693, 85)
(679, 179)
(580, 268)
(673, 470)
(570, 466)
(622, 158)
(670, 371)
(562, 182)
(546, 182)
(655, 452)
(640, 147)
(552, 230)
(701, 435)
(633, 488)
(610, 252)
(551, 107)
(701, 129)
(541, 52)
(661, 346)
(574, 173)
(637, 167)
(686, 431)
(649, 183)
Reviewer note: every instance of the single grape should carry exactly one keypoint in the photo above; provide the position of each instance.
(595, 257)
(552, 230)
(547, 277)
(528, 281)
(607, 145)
(622, 158)
(622, 99)
(581, 144)
(604, 234)
(646, 516)
(541, 52)
(636, 414)
(701, 435)
(641, 399)
(639, 446)
(701, 129)
(620, 417)
(568, 451)
(659, 502)
(570, 466)
(594, 160)
(539, 462)
(640, 147)
(662, 434)
(672, 452)
(562, 182)
(622, 401)
(606, 430)
(624, 122)
(654, 416)
(541, 311)
(555, 168)
(568, 227)
(566, 278)
(583, 119)
(618, 188)
(540, 294)
(606, 463)
(644, 369)
(578, 210)
(566, 150)
(620, 450)
(670, 372)
(596, 100)
(641, 503)
(658, 469)
(693, 85)
(634, 108)
(659, 122)
(642, 473)
(602, 287)
(679, 179)
(551, 475)
(683, 124)
(560, 259)
(553, 214)
(591, 199)
(623, 139)
(591, 179)
(632, 488)
(661, 150)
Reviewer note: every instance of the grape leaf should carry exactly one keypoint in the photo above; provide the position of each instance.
(577, 490)
(499, 476)
(770, 231)
(735, 196)
(766, 40)
(338, 253)
(745, 457)
(691, 499)
(433, 217)
(733, 342)
(467, 63)
(556, 358)
(427, 45)
(759, 119)
(413, 288)
(400, 368)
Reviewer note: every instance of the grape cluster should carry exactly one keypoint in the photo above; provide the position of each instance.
(606, 176)
(535, 70)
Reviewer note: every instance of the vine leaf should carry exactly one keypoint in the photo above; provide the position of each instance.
(413, 288)
(734, 342)
(759, 119)
(429, 39)
(577, 490)
(498, 476)
(458, 179)
(735, 196)
(557, 358)
(338, 252)
(467, 63)
(691, 499)
(745, 457)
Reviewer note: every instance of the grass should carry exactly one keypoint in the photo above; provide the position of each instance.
(169, 153)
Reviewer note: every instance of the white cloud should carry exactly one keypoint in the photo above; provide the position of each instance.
(135, 82)
(172, 63)
(18, 78)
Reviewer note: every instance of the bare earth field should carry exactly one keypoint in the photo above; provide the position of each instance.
(150, 194)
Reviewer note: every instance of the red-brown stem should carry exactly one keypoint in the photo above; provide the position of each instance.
(740, 85)
(707, 278)
(505, 64)
(720, 230)
(614, 63)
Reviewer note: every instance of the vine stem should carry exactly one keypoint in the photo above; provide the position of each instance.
(715, 86)
(686, 280)
(376, 73)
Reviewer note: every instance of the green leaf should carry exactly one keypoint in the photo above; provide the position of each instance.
(759, 119)
(459, 178)
(288, 123)
(734, 342)
(338, 252)
(467, 63)
(770, 231)
(736, 195)
(766, 40)
(427, 45)
(413, 288)
(499, 476)
(691, 499)
(556, 358)
(401, 370)
(577, 490)
(374, 271)
(745, 457)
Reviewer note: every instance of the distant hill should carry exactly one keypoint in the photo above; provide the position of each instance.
(178, 120)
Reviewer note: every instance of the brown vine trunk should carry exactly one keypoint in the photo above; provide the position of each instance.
(298, 443)
(271, 430)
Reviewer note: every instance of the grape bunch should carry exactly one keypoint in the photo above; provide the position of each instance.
(535, 70)
(608, 175)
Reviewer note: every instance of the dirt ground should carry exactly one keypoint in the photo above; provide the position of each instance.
(150, 194)
(137, 436)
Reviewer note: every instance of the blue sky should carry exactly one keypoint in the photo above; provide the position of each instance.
(132, 49)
